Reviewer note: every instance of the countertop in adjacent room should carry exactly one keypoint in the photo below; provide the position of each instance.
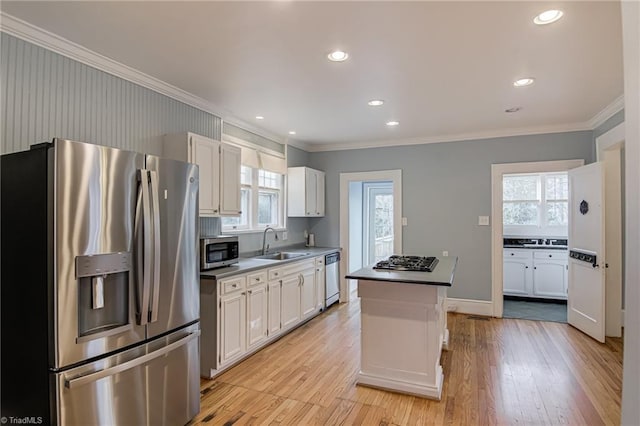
(442, 274)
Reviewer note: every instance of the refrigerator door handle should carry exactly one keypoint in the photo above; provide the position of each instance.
(92, 377)
(156, 245)
(144, 253)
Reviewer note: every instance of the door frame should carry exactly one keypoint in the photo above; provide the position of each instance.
(394, 176)
(497, 172)
(608, 146)
(370, 189)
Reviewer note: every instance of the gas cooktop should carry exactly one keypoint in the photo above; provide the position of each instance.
(408, 263)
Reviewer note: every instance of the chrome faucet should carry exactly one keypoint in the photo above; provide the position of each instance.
(265, 246)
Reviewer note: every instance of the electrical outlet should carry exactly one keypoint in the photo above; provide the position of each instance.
(483, 220)
(404, 221)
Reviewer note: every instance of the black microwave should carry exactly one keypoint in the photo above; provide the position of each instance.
(218, 251)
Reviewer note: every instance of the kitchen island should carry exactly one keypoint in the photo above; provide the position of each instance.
(404, 328)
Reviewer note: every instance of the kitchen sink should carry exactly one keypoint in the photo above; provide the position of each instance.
(282, 255)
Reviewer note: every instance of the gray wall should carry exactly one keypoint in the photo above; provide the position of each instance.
(46, 95)
(446, 186)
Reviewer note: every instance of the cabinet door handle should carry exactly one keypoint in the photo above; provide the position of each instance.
(512, 254)
(535, 267)
(550, 255)
(250, 292)
(526, 267)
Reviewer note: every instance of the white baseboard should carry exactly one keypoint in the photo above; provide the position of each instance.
(469, 306)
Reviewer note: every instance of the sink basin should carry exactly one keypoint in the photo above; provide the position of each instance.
(282, 255)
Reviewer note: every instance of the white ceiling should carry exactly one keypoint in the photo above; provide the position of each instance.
(444, 69)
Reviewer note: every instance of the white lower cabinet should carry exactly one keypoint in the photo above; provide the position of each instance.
(550, 274)
(244, 312)
(320, 283)
(274, 310)
(517, 267)
(290, 309)
(308, 293)
(535, 273)
(232, 326)
(257, 305)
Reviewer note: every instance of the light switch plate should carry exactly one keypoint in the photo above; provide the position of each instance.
(483, 220)
(404, 221)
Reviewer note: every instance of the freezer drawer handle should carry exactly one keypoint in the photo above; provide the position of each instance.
(92, 377)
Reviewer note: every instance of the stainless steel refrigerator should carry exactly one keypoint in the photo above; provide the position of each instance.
(99, 287)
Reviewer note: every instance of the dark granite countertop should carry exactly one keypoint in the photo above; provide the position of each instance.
(442, 274)
(249, 264)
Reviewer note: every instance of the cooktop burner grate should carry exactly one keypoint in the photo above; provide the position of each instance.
(408, 263)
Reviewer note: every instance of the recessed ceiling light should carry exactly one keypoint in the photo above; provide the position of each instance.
(514, 109)
(548, 17)
(392, 123)
(375, 102)
(259, 117)
(338, 56)
(523, 82)
(292, 132)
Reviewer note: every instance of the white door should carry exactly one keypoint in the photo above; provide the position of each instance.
(586, 305)
(378, 223)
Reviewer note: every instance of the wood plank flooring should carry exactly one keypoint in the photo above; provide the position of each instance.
(496, 372)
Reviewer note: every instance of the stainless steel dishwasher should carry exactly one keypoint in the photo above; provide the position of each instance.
(332, 280)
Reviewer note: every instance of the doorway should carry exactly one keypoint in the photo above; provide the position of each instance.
(498, 171)
(535, 257)
(370, 221)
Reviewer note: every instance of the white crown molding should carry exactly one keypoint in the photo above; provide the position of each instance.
(50, 41)
(300, 145)
(498, 133)
(40, 37)
(607, 112)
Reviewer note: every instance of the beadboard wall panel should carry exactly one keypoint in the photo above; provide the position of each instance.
(45, 95)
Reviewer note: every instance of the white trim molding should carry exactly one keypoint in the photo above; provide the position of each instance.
(497, 171)
(40, 37)
(469, 306)
(394, 176)
(611, 139)
(607, 112)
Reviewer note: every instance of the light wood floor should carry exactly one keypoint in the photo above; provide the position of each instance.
(496, 372)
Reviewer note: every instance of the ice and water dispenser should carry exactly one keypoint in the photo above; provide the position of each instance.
(103, 294)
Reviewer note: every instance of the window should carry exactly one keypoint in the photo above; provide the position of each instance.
(531, 202)
(262, 201)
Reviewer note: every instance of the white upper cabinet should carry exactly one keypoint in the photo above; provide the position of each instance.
(219, 165)
(305, 192)
(230, 157)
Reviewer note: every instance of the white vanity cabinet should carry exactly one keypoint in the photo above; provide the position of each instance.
(219, 165)
(535, 273)
(305, 192)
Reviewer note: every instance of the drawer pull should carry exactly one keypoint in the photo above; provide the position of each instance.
(550, 255)
(512, 254)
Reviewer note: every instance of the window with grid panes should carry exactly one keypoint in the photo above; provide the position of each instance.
(262, 203)
(535, 202)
